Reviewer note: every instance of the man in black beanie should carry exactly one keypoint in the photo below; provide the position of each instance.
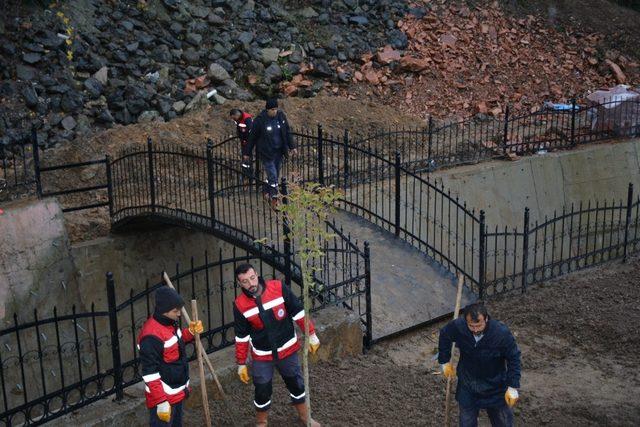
(165, 370)
(271, 135)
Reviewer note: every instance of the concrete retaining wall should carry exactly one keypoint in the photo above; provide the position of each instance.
(547, 182)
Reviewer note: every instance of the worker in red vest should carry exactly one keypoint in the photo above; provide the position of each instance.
(264, 313)
(165, 370)
(243, 123)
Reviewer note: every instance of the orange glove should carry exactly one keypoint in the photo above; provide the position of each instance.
(511, 397)
(448, 370)
(243, 373)
(164, 411)
(314, 344)
(196, 327)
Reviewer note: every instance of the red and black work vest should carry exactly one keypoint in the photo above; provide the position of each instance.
(266, 323)
(165, 370)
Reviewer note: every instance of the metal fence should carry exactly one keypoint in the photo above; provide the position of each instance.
(16, 170)
(54, 365)
(575, 238)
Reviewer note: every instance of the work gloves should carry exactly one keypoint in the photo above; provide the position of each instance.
(196, 327)
(448, 370)
(164, 411)
(511, 397)
(314, 344)
(243, 373)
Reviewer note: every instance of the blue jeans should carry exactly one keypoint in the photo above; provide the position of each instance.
(272, 169)
(500, 416)
(175, 421)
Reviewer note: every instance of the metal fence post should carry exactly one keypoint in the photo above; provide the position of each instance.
(115, 342)
(320, 157)
(107, 162)
(505, 138)
(573, 122)
(36, 161)
(286, 232)
(483, 256)
(210, 182)
(397, 201)
(430, 143)
(627, 221)
(367, 284)
(152, 181)
(346, 158)
(525, 249)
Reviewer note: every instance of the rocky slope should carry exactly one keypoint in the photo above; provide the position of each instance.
(86, 64)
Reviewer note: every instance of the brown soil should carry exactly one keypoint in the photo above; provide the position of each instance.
(579, 342)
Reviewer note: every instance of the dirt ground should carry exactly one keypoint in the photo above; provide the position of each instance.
(580, 356)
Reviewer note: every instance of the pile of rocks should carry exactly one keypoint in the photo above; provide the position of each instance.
(155, 60)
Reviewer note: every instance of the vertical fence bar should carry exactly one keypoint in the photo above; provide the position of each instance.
(107, 162)
(346, 158)
(525, 249)
(152, 181)
(286, 232)
(482, 257)
(36, 161)
(573, 122)
(211, 181)
(115, 342)
(367, 283)
(627, 221)
(320, 157)
(429, 143)
(505, 138)
(397, 198)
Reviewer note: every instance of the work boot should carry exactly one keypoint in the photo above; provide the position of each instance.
(261, 418)
(302, 414)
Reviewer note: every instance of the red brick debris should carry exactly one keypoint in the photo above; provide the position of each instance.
(465, 61)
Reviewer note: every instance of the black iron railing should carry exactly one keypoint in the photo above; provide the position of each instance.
(51, 366)
(16, 170)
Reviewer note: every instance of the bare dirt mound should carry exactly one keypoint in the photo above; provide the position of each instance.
(335, 114)
(580, 353)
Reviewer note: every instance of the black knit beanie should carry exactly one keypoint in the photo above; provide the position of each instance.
(271, 103)
(167, 299)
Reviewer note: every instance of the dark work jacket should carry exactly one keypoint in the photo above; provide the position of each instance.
(261, 136)
(486, 368)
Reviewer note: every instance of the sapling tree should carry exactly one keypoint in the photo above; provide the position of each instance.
(305, 209)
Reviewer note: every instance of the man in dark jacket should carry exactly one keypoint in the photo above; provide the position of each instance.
(264, 313)
(272, 137)
(489, 367)
(165, 370)
(243, 123)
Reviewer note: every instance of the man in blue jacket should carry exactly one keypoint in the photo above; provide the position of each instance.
(272, 137)
(489, 367)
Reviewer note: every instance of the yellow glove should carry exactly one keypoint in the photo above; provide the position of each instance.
(196, 327)
(164, 411)
(511, 397)
(243, 373)
(314, 344)
(448, 370)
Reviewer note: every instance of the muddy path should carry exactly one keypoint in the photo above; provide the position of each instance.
(580, 353)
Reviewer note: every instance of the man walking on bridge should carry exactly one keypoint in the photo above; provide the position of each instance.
(165, 370)
(489, 367)
(272, 137)
(264, 313)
